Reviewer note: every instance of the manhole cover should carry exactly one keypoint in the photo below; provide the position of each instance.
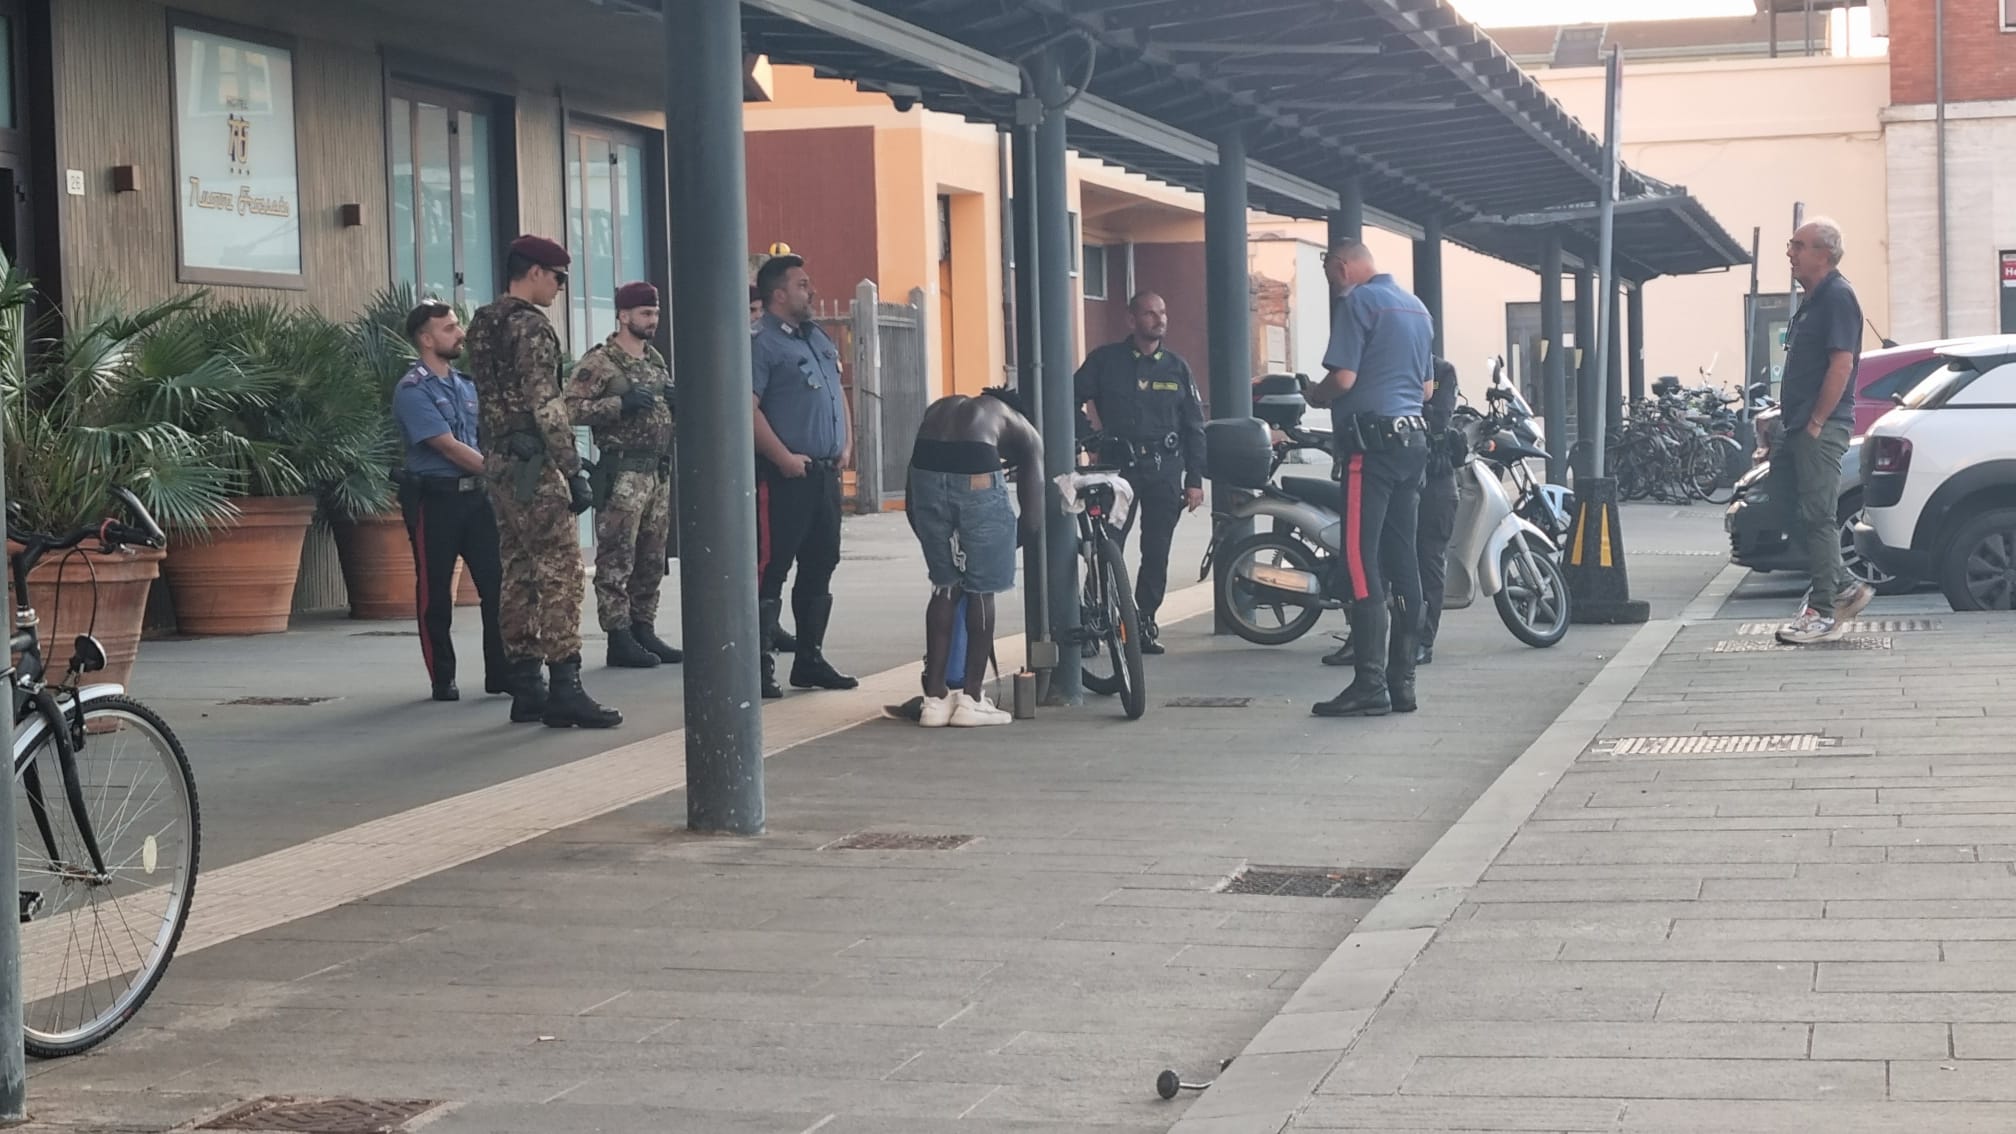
(1856, 626)
(1668, 747)
(322, 1116)
(1315, 881)
(386, 634)
(1770, 646)
(279, 702)
(882, 840)
(1208, 702)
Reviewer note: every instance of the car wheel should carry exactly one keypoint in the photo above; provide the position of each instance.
(1881, 581)
(1978, 568)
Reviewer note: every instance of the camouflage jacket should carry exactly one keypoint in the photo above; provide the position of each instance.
(514, 359)
(594, 395)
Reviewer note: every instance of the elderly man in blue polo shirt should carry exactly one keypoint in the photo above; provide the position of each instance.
(1379, 369)
(443, 498)
(1817, 412)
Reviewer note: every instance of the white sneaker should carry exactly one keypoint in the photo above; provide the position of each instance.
(977, 712)
(937, 711)
(1852, 601)
(1810, 627)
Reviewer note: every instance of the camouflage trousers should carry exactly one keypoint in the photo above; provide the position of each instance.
(539, 610)
(631, 530)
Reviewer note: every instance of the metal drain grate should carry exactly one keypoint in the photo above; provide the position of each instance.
(1672, 747)
(1691, 554)
(1208, 702)
(1770, 646)
(1315, 881)
(882, 840)
(1857, 626)
(279, 702)
(386, 634)
(322, 1116)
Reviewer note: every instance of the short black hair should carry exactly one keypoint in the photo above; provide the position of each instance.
(770, 276)
(1009, 397)
(517, 265)
(423, 313)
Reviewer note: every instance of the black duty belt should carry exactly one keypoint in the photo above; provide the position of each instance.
(1368, 433)
(619, 461)
(447, 485)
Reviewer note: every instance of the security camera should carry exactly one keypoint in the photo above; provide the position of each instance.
(902, 103)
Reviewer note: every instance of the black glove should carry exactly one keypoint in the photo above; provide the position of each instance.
(637, 399)
(580, 497)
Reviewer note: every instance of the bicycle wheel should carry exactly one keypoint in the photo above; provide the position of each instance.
(1123, 636)
(1710, 464)
(93, 946)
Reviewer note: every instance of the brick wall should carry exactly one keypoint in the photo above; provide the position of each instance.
(1980, 57)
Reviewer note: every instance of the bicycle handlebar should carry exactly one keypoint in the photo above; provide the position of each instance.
(111, 534)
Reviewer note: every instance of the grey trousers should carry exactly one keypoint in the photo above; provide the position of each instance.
(1815, 467)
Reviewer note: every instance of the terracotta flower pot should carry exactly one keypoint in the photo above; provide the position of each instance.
(377, 558)
(120, 606)
(240, 579)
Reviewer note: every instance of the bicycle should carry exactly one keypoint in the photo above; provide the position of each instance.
(107, 855)
(1107, 615)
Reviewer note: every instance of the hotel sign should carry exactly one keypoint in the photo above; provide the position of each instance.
(237, 189)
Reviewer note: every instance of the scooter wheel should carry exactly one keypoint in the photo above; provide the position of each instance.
(1166, 1084)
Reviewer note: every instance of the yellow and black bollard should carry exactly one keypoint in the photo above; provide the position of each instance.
(1594, 564)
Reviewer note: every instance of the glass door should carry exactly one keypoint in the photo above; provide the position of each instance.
(606, 226)
(443, 204)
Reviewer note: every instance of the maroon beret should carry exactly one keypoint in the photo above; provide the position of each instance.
(542, 252)
(636, 294)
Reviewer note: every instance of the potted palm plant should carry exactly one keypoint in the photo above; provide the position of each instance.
(318, 440)
(84, 413)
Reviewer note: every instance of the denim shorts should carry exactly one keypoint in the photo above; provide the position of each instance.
(967, 529)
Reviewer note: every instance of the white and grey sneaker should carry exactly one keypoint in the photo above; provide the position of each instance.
(937, 711)
(976, 712)
(1852, 602)
(1810, 627)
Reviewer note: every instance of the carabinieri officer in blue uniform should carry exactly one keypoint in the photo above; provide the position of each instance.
(1378, 366)
(442, 497)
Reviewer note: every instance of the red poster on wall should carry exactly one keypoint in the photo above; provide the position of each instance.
(2009, 293)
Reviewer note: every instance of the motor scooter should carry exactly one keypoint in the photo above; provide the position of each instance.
(1279, 580)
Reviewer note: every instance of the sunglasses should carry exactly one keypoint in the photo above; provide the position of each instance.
(559, 276)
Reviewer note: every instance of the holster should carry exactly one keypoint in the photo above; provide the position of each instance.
(528, 450)
(601, 480)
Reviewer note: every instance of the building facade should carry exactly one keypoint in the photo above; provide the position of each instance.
(1967, 286)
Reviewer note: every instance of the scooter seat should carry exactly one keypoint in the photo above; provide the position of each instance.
(1320, 491)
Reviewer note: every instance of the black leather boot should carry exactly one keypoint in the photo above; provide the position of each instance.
(648, 638)
(769, 611)
(527, 686)
(1366, 696)
(811, 670)
(568, 705)
(1342, 655)
(783, 641)
(1424, 654)
(1401, 658)
(626, 653)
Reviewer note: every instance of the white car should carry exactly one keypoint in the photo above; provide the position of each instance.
(1939, 479)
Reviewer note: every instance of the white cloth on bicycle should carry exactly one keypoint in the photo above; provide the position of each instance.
(1071, 483)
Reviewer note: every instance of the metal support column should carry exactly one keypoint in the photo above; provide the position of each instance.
(1588, 387)
(1554, 362)
(1428, 275)
(1029, 374)
(1348, 222)
(1229, 306)
(1053, 307)
(13, 1065)
(1613, 357)
(707, 196)
(1634, 330)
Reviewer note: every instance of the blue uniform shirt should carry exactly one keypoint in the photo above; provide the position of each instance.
(796, 379)
(1385, 336)
(427, 406)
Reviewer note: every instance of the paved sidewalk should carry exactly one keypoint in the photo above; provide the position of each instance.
(618, 974)
(1757, 889)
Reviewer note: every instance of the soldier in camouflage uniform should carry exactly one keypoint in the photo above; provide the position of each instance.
(537, 486)
(623, 389)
